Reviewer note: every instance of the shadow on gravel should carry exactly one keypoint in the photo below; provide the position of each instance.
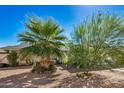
(14, 68)
(28, 80)
(95, 81)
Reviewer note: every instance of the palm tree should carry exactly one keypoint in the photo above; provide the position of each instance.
(44, 39)
(98, 42)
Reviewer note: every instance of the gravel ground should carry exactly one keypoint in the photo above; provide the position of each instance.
(21, 77)
(95, 81)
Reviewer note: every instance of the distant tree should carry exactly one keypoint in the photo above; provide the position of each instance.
(12, 58)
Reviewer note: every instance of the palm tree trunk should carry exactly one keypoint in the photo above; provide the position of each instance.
(46, 62)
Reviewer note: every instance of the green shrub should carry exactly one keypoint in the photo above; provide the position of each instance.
(12, 58)
(96, 42)
(42, 69)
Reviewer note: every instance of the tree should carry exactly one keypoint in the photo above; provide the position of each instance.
(44, 38)
(98, 42)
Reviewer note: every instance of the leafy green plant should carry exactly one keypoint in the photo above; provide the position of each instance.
(12, 58)
(45, 39)
(98, 42)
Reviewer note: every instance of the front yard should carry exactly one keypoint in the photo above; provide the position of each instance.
(21, 77)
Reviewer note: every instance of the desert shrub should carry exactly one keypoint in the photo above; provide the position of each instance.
(84, 75)
(97, 42)
(38, 68)
(12, 58)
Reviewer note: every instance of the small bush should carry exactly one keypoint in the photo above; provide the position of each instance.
(12, 58)
(84, 75)
(38, 68)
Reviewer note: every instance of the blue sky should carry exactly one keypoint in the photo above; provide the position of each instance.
(13, 17)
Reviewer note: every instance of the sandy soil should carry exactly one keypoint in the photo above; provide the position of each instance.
(22, 77)
(3, 58)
